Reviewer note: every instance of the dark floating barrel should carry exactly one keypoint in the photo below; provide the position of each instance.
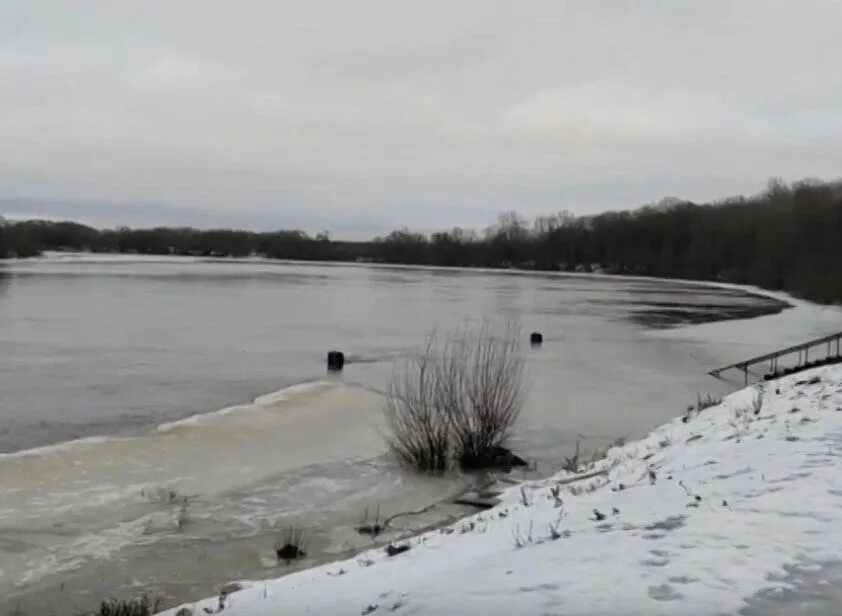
(536, 338)
(335, 361)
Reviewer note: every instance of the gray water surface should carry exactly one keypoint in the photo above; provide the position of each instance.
(106, 345)
(138, 356)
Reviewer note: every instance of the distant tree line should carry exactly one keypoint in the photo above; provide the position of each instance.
(32, 237)
(788, 238)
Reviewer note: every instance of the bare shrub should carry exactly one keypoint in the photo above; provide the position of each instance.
(418, 429)
(520, 540)
(459, 400)
(556, 494)
(571, 464)
(482, 387)
(373, 526)
(139, 606)
(291, 544)
(707, 401)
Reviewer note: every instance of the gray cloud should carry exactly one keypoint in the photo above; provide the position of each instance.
(362, 116)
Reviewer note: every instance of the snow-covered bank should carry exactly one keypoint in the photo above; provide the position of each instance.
(696, 518)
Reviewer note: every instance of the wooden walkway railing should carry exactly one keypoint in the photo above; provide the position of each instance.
(833, 342)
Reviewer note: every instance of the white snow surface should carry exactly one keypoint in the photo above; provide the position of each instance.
(698, 516)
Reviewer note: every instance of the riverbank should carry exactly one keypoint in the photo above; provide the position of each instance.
(703, 516)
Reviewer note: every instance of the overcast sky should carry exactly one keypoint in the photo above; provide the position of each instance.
(360, 116)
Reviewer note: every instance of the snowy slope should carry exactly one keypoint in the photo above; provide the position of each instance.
(697, 517)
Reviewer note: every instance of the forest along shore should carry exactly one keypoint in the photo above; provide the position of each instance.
(736, 239)
(710, 513)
